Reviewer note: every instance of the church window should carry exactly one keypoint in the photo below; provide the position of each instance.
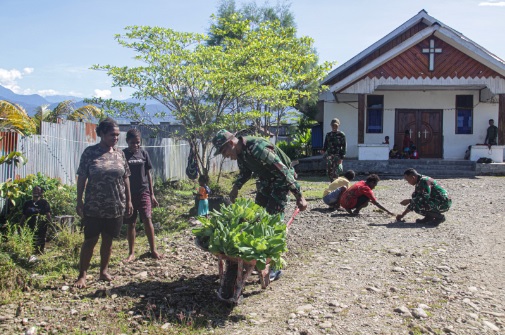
(375, 113)
(464, 114)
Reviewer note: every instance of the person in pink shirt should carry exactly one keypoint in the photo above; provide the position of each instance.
(360, 194)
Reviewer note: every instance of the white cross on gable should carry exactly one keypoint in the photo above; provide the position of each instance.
(432, 51)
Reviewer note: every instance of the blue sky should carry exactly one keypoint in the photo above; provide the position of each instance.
(47, 46)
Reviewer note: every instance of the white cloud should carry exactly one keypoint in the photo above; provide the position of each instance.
(495, 4)
(45, 93)
(9, 78)
(105, 94)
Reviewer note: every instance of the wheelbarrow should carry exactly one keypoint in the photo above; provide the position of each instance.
(233, 279)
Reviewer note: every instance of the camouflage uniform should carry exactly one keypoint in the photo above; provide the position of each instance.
(271, 166)
(429, 198)
(334, 150)
(105, 189)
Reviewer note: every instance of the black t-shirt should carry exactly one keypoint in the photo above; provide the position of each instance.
(139, 164)
(33, 208)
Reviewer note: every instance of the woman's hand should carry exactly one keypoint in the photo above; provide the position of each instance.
(154, 202)
(129, 209)
(79, 209)
(405, 202)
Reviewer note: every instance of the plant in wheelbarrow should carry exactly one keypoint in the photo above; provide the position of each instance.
(246, 236)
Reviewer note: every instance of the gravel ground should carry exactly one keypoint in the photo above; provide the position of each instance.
(345, 275)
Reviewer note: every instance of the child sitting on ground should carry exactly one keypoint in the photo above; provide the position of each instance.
(393, 153)
(413, 152)
(331, 196)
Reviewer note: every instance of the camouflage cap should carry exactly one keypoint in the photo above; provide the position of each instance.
(335, 121)
(222, 137)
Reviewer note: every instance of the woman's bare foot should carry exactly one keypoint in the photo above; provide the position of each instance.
(129, 259)
(80, 282)
(105, 276)
(155, 255)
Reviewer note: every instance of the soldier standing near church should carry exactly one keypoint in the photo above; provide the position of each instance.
(492, 134)
(334, 150)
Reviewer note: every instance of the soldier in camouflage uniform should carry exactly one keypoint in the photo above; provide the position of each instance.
(270, 165)
(104, 171)
(429, 199)
(334, 150)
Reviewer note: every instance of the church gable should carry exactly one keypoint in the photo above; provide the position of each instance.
(391, 44)
(445, 61)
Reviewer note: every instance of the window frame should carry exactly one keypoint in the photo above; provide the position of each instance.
(368, 109)
(466, 109)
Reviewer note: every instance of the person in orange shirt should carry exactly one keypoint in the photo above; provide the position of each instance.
(203, 196)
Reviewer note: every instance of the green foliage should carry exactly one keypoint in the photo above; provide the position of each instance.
(207, 86)
(62, 200)
(20, 190)
(292, 149)
(14, 157)
(18, 241)
(13, 279)
(303, 139)
(244, 230)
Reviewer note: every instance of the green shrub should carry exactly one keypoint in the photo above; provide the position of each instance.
(18, 241)
(292, 149)
(13, 279)
(62, 200)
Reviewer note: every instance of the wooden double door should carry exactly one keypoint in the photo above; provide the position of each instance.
(425, 129)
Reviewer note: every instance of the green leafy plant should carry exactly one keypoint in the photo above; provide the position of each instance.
(244, 230)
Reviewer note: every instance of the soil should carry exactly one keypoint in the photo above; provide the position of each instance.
(346, 274)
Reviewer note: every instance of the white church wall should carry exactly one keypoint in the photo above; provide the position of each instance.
(455, 145)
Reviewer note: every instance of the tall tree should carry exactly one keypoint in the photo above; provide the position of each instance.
(255, 15)
(201, 84)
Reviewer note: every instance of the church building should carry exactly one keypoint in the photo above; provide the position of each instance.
(423, 78)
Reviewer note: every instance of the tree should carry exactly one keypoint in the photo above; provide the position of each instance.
(14, 118)
(204, 85)
(255, 15)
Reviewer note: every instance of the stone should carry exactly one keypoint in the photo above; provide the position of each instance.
(403, 310)
(373, 289)
(334, 303)
(31, 331)
(142, 274)
(398, 269)
(396, 252)
(491, 326)
(304, 308)
(471, 304)
(473, 316)
(419, 313)
(65, 288)
(325, 325)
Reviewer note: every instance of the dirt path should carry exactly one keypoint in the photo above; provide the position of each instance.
(345, 275)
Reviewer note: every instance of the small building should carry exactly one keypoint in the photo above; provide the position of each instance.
(425, 78)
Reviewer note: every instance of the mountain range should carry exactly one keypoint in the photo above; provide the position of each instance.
(32, 101)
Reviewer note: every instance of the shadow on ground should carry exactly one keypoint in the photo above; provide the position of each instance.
(190, 302)
(403, 225)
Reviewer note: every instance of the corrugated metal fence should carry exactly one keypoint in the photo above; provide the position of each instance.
(56, 153)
